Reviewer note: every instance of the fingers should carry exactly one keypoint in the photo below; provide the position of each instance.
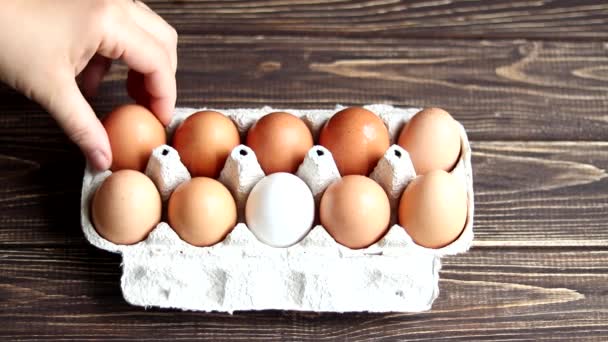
(144, 54)
(77, 119)
(142, 5)
(157, 27)
(93, 74)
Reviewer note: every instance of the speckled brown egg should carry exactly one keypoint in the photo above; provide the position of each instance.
(355, 211)
(280, 141)
(204, 140)
(357, 139)
(202, 211)
(133, 132)
(433, 209)
(126, 207)
(432, 138)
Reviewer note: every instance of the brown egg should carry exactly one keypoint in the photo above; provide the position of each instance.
(433, 209)
(202, 211)
(432, 138)
(126, 207)
(204, 140)
(280, 141)
(355, 211)
(133, 132)
(357, 138)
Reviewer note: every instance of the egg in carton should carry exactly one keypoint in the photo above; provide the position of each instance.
(316, 274)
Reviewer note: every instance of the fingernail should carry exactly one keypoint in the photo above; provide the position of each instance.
(99, 160)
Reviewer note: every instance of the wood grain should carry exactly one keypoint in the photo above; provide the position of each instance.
(527, 78)
(489, 294)
(547, 19)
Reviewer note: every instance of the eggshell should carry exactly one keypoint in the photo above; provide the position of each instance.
(133, 132)
(433, 209)
(280, 141)
(355, 211)
(202, 211)
(432, 138)
(204, 140)
(126, 207)
(280, 210)
(357, 139)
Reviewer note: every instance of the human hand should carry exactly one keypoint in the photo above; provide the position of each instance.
(46, 44)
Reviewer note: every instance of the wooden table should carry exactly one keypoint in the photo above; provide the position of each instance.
(528, 79)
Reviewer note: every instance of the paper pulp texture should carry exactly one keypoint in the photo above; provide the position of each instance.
(316, 274)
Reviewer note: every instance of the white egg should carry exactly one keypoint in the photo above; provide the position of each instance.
(280, 210)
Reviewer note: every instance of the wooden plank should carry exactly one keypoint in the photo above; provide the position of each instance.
(500, 90)
(489, 294)
(373, 18)
(527, 194)
(540, 193)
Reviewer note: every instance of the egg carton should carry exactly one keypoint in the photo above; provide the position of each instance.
(316, 274)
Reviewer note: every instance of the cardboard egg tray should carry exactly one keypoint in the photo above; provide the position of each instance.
(316, 274)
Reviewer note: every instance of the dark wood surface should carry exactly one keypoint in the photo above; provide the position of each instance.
(528, 79)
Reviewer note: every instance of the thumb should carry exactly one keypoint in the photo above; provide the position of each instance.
(77, 119)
